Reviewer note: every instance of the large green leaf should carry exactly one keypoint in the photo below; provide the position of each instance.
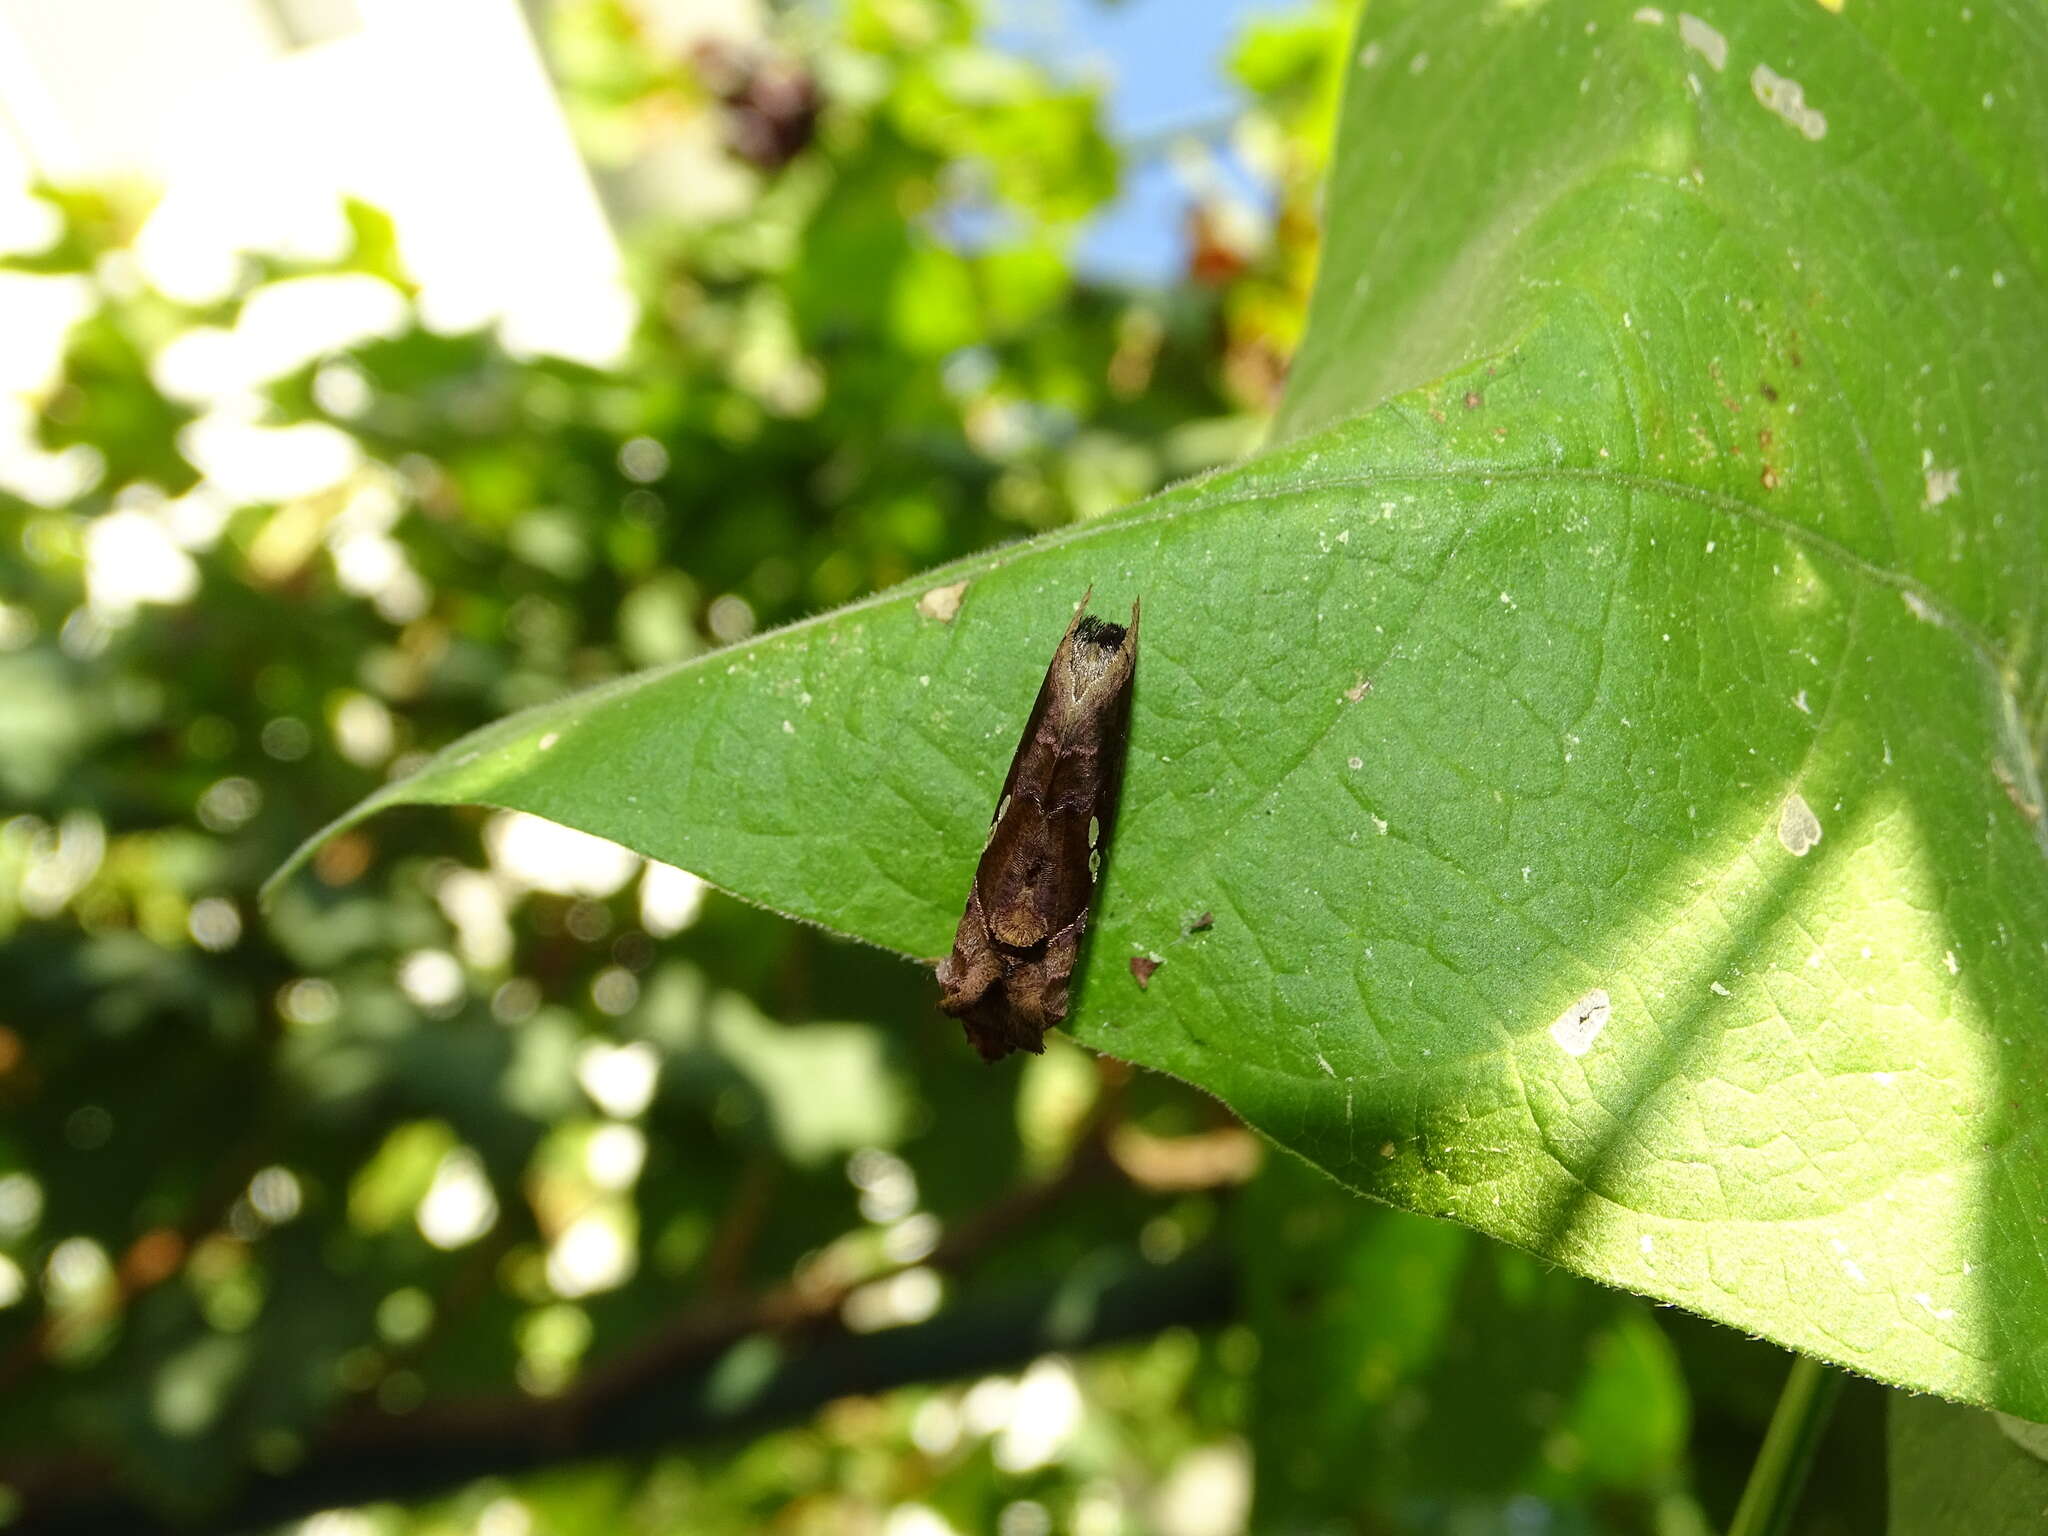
(1605, 734)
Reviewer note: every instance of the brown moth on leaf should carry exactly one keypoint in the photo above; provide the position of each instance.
(1027, 910)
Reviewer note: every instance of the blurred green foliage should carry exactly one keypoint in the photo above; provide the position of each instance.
(477, 1115)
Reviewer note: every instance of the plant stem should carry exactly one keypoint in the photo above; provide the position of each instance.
(1797, 1423)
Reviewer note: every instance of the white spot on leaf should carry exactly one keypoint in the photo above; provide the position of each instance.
(1787, 98)
(1940, 484)
(1939, 1314)
(1703, 40)
(942, 603)
(1798, 827)
(1579, 1026)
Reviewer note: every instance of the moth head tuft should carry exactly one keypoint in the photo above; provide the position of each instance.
(1099, 632)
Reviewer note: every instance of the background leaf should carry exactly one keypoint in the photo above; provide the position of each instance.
(1956, 1469)
(1384, 1330)
(485, 1115)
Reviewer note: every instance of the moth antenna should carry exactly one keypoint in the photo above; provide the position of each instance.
(1081, 609)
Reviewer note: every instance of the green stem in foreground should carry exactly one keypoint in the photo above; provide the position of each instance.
(1797, 1423)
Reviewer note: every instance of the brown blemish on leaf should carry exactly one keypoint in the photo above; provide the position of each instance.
(1769, 478)
(1473, 400)
(1142, 967)
(943, 603)
(1359, 689)
(1203, 923)
(1764, 388)
(2010, 784)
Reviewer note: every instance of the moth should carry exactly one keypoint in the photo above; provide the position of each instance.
(1027, 910)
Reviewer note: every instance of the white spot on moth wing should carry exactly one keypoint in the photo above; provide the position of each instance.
(1798, 827)
(942, 603)
(1703, 40)
(1579, 1026)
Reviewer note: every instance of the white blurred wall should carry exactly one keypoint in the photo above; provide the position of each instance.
(257, 117)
